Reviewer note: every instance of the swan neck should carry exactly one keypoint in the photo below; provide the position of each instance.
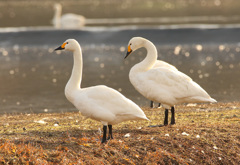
(151, 56)
(57, 17)
(74, 82)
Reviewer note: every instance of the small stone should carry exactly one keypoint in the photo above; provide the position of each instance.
(184, 133)
(127, 135)
(55, 125)
(215, 147)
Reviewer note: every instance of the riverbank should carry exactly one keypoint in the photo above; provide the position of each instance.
(203, 134)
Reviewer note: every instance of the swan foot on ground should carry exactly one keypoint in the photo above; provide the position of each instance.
(166, 118)
(104, 139)
(110, 136)
(173, 116)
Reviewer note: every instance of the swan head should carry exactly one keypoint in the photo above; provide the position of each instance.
(69, 45)
(134, 44)
(57, 6)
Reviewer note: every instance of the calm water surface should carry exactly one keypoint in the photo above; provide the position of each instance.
(33, 77)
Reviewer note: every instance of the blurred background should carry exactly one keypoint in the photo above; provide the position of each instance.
(200, 37)
(15, 13)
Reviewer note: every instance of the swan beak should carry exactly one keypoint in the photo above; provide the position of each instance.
(128, 52)
(61, 47)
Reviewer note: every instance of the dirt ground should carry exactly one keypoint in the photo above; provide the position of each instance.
(203, 134)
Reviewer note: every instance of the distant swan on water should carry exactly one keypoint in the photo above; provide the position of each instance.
(100, 102)
(67, 21)
(163, 85)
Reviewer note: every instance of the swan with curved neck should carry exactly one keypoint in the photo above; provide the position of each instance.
(100, 102)
(67, 21)
(162, 84)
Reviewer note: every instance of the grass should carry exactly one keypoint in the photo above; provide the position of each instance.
(204, 134)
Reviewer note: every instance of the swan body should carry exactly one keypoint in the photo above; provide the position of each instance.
(164, 64)
(104, 104)
(67, 21)
(163, 84)
(100, 102)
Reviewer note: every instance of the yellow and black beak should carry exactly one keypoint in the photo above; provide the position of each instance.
(61, 47)
(128, 52)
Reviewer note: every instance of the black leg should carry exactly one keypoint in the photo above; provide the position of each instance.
(110, 136)
(151, 104)
(104, 139)
(166, 117)
(165, 120)
(173, 115)
(159, 104)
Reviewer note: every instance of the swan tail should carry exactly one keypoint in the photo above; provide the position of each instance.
(145, 118)
(142, 117)
(212, 100)
(202, 99)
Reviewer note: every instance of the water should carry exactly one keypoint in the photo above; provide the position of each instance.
(33, 77)
(19, 13)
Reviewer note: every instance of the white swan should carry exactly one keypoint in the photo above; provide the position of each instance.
(160, 63)
(67, 21)
(100, 103)
(161, 84)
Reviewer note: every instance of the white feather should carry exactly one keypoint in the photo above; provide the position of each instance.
(163, 64)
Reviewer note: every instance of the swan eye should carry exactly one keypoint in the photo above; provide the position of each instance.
(130, 44)
(67, 42)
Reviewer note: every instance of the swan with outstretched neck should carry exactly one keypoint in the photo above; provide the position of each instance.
(162, 84)
(100, 102)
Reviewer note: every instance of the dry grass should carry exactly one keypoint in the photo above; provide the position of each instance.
(204, 134)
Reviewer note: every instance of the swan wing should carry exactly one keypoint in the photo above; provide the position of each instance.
(106, 104)
(168, 86)
(164, 64)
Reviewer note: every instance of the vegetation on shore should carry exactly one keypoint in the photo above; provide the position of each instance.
(204, 134)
